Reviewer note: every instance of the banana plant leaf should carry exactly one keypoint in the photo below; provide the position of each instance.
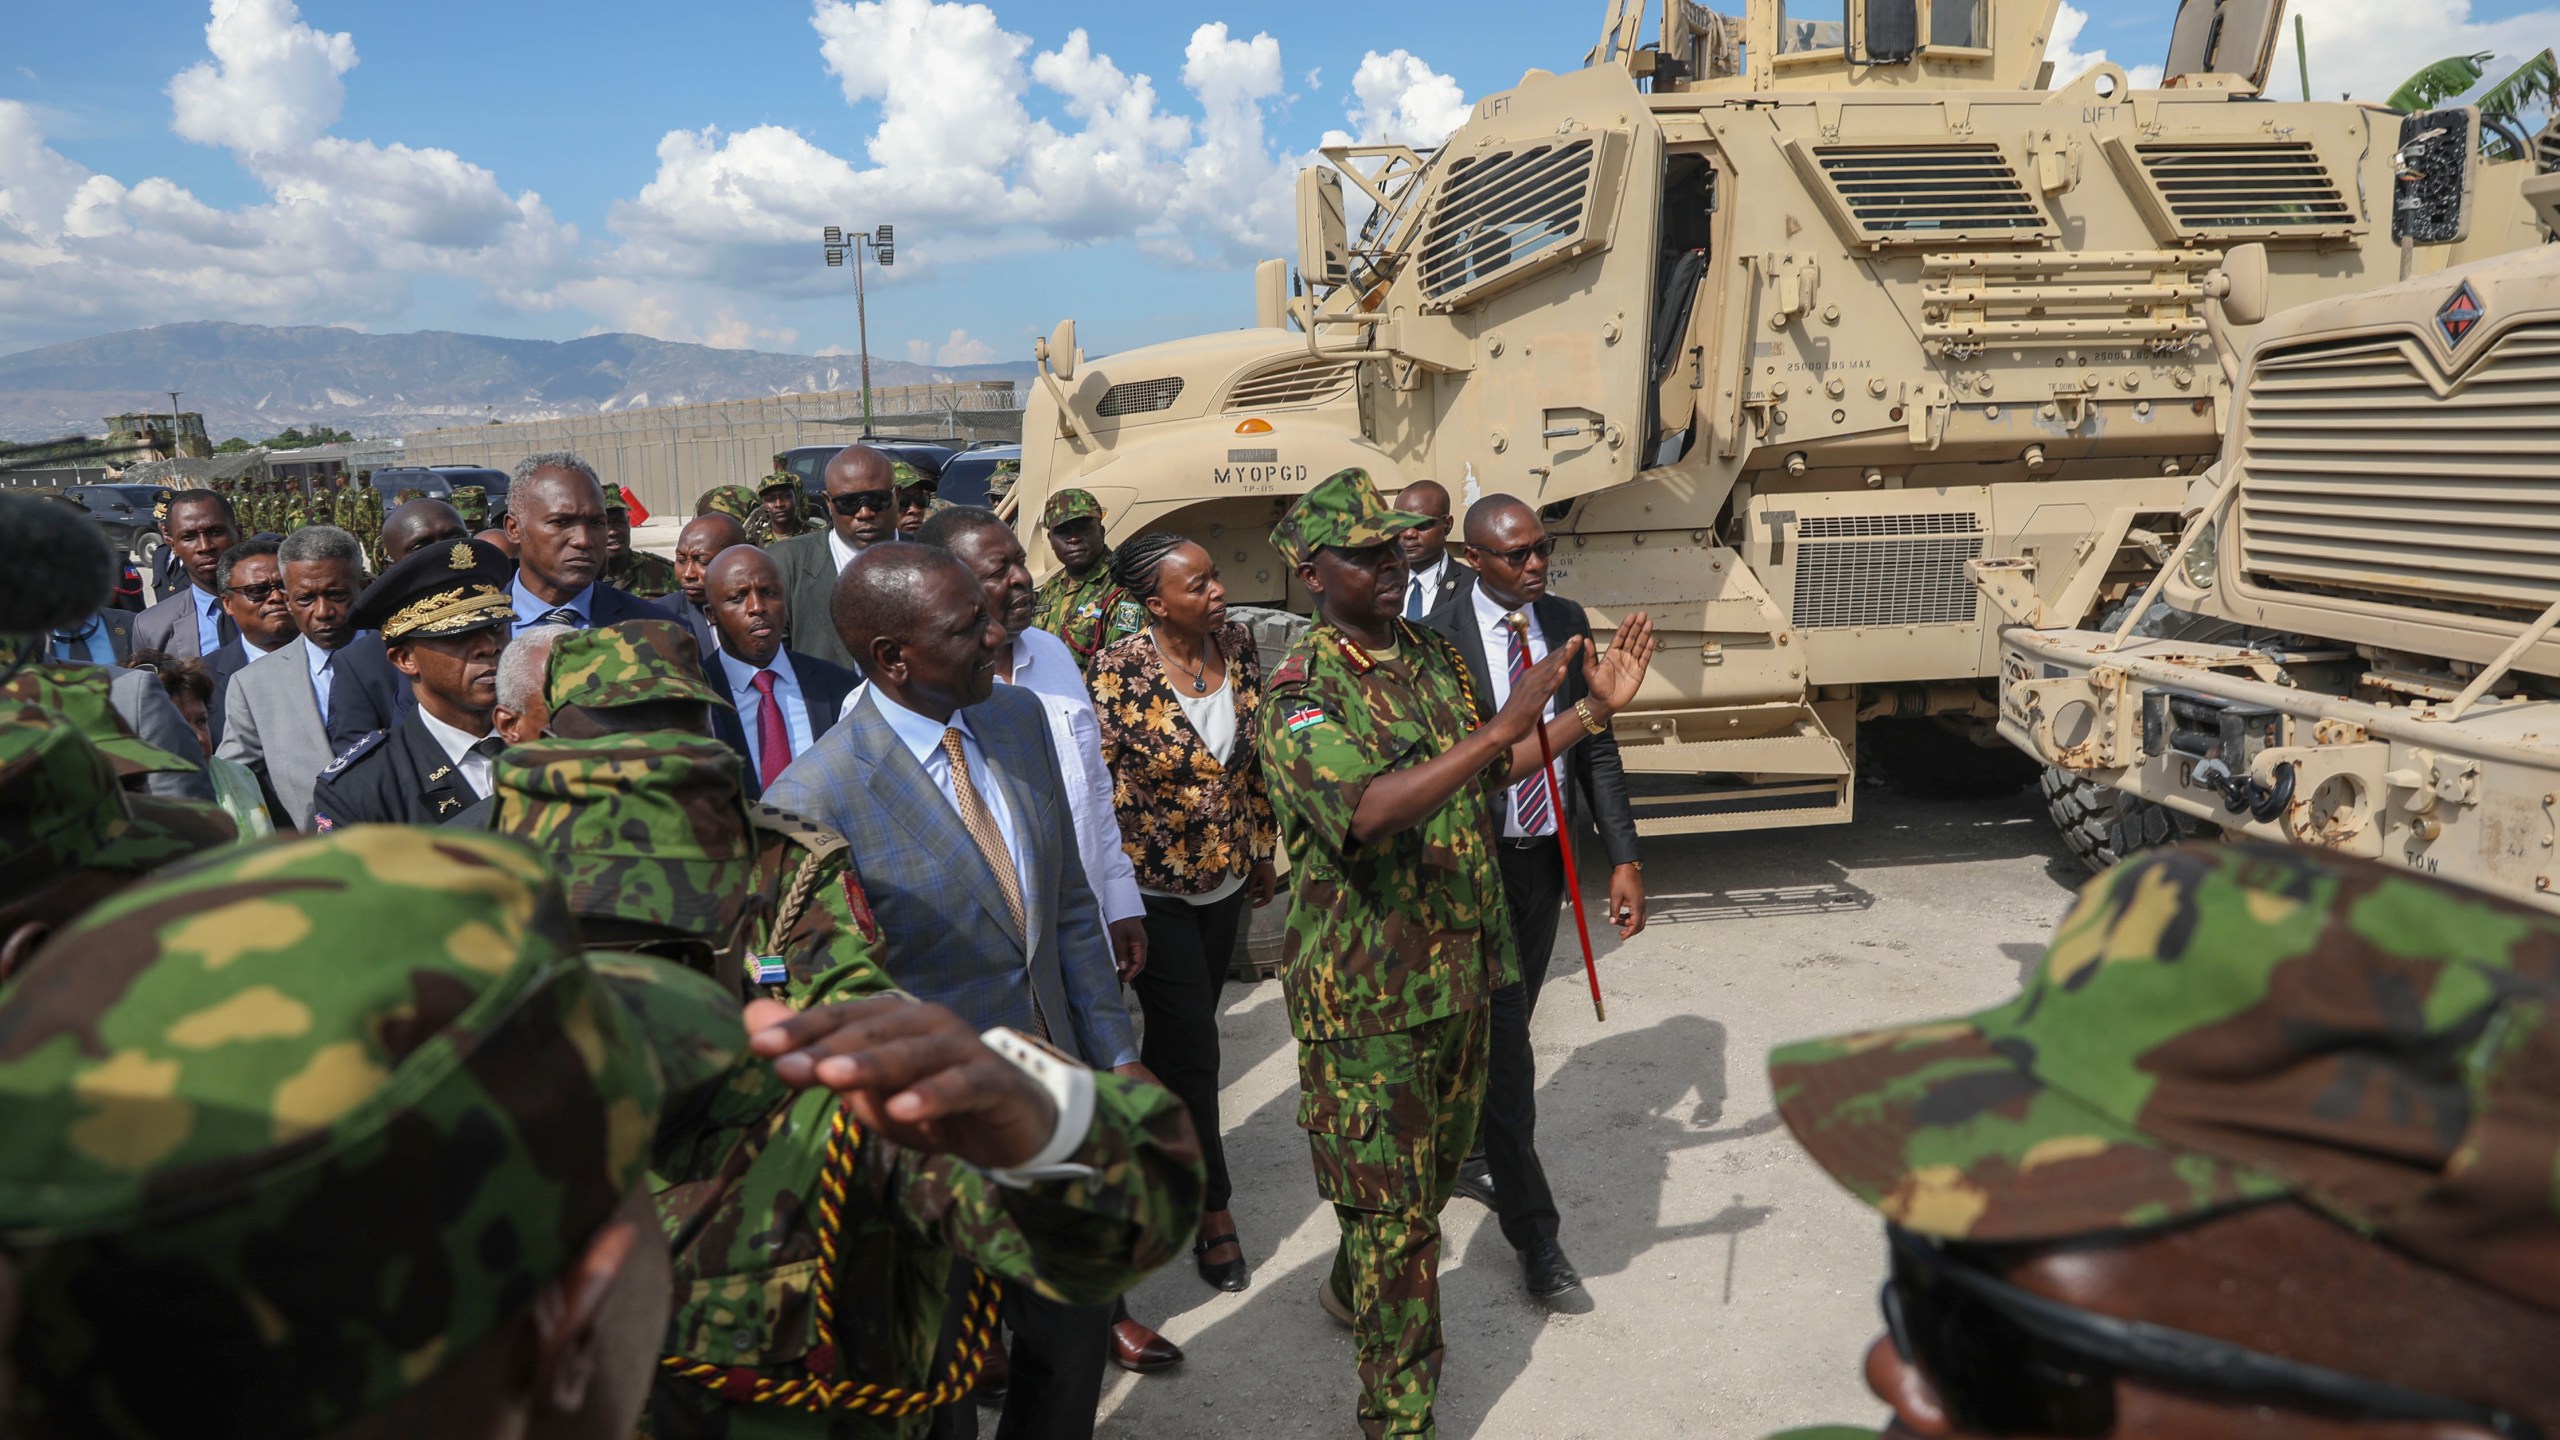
(2439, 82)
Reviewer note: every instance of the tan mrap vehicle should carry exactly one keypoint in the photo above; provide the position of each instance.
(2378, 563)
(1782, 320)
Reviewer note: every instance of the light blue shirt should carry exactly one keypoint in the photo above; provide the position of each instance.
(786, 696)
(923, 738)
(319, 660)
(208, 620)
(530, 610)
(92, 646)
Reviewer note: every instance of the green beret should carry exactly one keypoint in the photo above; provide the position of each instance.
(649, 827)
(305, 1122)
(1342, 510)
(735, 501)
(631, 663)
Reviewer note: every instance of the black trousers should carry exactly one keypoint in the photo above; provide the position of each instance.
(1057, 1360)
(1187, 951)
(1533, 883)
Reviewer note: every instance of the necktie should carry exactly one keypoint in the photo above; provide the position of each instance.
(773, 738)
(1529, 797)
(562, 615)
(982, 829)
(324, 689)
(1413, 599)
(487, 747)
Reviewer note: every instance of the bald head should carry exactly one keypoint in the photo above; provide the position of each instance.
(745, 600)
(919, 623)
(859, 470)
(1495, 513)
(696, 544)
(416, 524)
(1424, 545)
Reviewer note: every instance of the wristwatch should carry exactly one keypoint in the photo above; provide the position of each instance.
(1070, 1085)
(1590, 722)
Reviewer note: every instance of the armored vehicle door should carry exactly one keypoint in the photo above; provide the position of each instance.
(2236, 38)
(1536, 258)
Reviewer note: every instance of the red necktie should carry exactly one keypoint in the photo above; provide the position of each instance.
(773, 738)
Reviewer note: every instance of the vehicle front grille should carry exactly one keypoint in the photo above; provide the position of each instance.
(1856, 571)
(1137, 397)
(1496, 212)
(2372, 472)
(2257, 188)
(1307, 382)
(1925, 194)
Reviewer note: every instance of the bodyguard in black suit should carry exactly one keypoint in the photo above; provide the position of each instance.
(1431, 577)
(1510, 548)
(697, 545)
(443, 615)
(749, 667)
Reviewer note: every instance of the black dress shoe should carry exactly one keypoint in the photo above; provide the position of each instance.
(1475, 1181)
(1552, 1279)
(1228, 1275)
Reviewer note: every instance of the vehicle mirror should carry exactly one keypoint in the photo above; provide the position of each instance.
(2225, 37)
(2244, 284)
(2431, 198)
(1891, 33)
(1271, 294)
(1324, 236)
(1062, 350)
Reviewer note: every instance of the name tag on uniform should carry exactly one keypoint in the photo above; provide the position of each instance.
(1304, 716)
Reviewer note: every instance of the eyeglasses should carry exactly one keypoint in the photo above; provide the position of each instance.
(260, 593)
(1542, 550)
(861, 500)
(2008, 1361)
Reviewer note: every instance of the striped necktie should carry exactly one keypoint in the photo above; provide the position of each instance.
(1528, 798)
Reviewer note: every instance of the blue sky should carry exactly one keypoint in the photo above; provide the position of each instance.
(548, 170)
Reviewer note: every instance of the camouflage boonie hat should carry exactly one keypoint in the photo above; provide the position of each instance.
(83, 696)
(1069, 504)
(246, 1176)
(904, 476)
(735, 501)
(631, 663)
(1343, 510)
(2217, 1026)
(778, 480)
(651, 828)
(61, 809)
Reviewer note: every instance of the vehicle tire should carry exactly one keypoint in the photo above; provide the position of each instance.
(2102, 825)
(1923, 758)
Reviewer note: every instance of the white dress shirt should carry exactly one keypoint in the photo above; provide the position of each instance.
(922, 736)
(750, 703)
(842, 552)
(1043, 665)
(456, 744)
(1492, 624)
(1429, 579)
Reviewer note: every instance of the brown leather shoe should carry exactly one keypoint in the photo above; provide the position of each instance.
(1140, 1350)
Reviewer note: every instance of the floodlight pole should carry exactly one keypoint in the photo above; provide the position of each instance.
(837, 242)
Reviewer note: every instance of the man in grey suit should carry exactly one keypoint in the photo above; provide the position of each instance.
(862, 511)
(190, 624)
(969, 859)
(291, 711)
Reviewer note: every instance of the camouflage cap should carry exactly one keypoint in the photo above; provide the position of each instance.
(245, 1140)
(904, 476)
(2217, 1026)
(61, 809)
(651, 827)
(1069, 504)
(735, 501)
(1343, 510)
(779, 480)
(84, 696)
(631, 663)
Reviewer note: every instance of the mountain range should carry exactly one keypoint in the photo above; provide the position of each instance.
(255, 380)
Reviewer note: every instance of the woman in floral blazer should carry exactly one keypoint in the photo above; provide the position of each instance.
(1180, 703)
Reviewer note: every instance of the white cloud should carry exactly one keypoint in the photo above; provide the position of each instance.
(2366, 48)
(271, 85)
(1399, 100)
(2070, 62)
(963, 348)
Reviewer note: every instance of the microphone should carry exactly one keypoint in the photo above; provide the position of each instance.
(56, 568)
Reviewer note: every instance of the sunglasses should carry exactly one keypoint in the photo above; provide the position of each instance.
(861, 500)
(260, 593)
(2008, 1361)
(1542, 550)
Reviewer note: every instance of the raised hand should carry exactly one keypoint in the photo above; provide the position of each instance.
(1615, 676)
(1528, 699)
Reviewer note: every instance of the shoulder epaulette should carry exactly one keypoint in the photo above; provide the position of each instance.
(1293, 669)
(817, 839)
(363, 746)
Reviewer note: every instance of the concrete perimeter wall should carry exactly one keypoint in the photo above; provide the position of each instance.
(671, 454)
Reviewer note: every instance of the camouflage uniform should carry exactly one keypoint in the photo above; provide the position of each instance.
(2216, 1027)
(297, 510)
(1394, 949)
(368, 525)
(643, 574)
(735, 501)
(62, 808)
(1093, 613)
(763, 529)
(246, 1179)
(905, 481)
(471, 502)
(83, 697)
(790, 1322)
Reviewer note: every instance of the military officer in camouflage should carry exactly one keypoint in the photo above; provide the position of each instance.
(1398, 933)
(1081, 604)
(919, 497)
(2265, 1147)
(735, 501)
(782, 509)
(627, 565)
(471, 502)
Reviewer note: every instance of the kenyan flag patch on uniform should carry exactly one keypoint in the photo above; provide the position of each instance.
(1304, 716)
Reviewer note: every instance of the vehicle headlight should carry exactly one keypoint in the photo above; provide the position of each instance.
(2203, 557)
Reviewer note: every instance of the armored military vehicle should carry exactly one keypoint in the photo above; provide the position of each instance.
(2353, 648)
(1783, 320)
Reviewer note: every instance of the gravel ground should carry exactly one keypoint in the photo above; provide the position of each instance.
(1734, 1283)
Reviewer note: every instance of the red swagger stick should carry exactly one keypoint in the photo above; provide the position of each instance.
(1519, 624)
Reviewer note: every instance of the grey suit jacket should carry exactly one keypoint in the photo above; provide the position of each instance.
(808, 569)
(169, 626)
(141, 702)
(949, 938)
(271, 723)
